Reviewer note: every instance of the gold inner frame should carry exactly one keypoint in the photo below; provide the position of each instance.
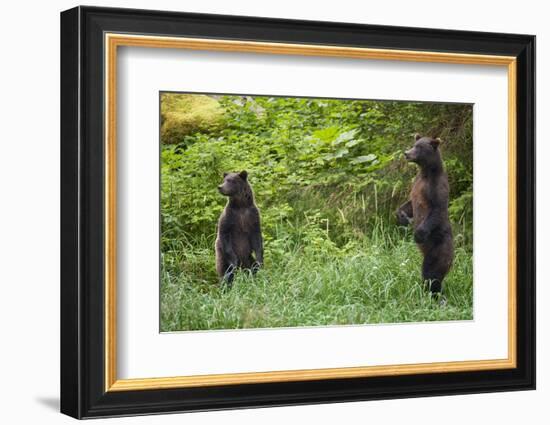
(113, 41)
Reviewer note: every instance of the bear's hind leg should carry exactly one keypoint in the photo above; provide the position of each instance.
(433, 272)
(229, 275)
(434, 286)
(253, 265)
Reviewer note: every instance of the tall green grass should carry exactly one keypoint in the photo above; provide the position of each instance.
(310, 281)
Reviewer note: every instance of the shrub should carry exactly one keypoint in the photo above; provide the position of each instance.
(182, 115)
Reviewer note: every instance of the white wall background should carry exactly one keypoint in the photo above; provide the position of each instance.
(29, 224)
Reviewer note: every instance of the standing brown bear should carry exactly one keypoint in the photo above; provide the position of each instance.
(239, 231)
(427, 209)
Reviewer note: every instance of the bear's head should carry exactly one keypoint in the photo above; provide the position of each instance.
(234, 184)
(425, 151)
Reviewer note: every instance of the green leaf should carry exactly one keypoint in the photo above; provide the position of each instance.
(341, 152)
(352, 143)
(326, 134)
(363, 158)
(345, 137)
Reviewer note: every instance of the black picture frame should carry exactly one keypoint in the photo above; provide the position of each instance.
(83, 392)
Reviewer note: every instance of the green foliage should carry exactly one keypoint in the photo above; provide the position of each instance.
(327, 175)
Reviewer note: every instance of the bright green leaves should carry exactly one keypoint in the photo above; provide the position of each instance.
(345, 137)
(363, 158)
(304, 154)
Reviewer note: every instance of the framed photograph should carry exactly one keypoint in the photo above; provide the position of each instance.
(261, 212)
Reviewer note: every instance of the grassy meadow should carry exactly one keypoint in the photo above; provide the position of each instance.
(327, 175)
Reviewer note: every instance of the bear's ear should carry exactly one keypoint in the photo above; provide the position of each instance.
(243, 175)
(417, 136)
(225, 174)
(435, 142)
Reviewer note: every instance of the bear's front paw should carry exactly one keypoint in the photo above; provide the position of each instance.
(420, 235)
(402, 218)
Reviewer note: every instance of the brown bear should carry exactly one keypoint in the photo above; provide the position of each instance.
(239, 232)
(427, 210)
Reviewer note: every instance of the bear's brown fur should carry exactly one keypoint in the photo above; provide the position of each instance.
(239, 231)
(427, 210)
